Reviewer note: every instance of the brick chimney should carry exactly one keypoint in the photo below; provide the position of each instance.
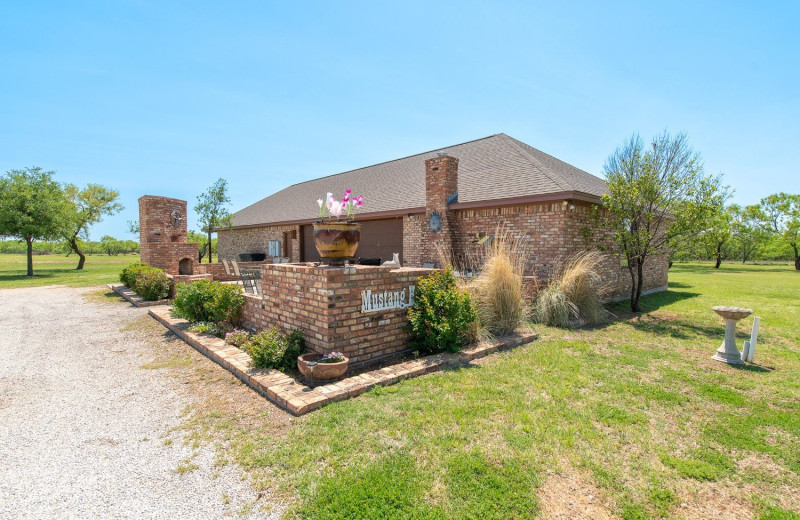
(441, 188)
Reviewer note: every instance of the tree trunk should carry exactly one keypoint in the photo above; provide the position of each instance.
(633, 287)
(29, 241)
(209, 244)
(73, 244)
(635, 306)
(796, 258)
(718, 256)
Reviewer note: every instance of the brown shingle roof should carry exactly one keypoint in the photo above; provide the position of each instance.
(492, 168)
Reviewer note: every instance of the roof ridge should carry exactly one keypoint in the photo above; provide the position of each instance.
(394, 160)
(518, 146)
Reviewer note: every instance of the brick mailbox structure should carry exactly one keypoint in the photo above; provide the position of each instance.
(358, 310)
(162, 235)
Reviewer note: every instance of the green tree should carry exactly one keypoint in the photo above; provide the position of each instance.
(718, 233)
(87, 207)
(112, 246)
(32, 207)
(193, 237)
(747, 234)
(780, 215)
(211, 209)
(655, 195)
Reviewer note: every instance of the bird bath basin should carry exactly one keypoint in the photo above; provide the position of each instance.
(727, 352)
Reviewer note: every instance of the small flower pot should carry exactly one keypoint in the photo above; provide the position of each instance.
(337, 240)
(320, 372)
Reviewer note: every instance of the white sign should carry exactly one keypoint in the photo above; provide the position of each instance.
(387, 300)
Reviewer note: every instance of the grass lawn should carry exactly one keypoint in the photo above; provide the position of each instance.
(60, 270)
(631, 420)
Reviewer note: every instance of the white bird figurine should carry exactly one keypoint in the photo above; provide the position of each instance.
(394, 262)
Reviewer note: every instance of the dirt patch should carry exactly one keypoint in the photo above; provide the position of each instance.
(568, 496)
(713, 501)
(102, 295)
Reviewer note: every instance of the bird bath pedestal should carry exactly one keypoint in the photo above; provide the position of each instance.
(727, 352)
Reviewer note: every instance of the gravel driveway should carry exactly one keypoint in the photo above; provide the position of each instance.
(84, 431)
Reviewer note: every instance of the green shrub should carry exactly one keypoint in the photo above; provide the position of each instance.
(218, 329)
(238, 338)
(208, 301)
(151, 283)
(273, 349)
(441, 314)
(128, 275)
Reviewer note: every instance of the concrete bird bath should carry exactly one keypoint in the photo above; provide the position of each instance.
(727, 352)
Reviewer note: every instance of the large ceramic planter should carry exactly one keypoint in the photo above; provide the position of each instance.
(337, 240)
(307, 363)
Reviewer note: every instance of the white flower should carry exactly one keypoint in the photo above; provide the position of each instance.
(336, 208)
(319, 202)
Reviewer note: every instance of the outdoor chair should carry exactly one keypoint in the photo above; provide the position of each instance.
(251, 280)
(227, 266)
(235, 268)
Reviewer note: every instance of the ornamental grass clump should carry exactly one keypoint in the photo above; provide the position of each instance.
(497, 291)
(574, 297)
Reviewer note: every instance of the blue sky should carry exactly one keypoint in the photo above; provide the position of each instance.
(163, 98)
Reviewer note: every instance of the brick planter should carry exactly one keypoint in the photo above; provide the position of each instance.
(327, 305)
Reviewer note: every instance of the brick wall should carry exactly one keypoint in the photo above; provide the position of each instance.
(583, 232)
(414, 228)
(549, 233)
(162, 235)
(231, 242)
(325, 304)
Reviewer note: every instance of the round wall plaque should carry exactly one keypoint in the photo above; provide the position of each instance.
(435, 222)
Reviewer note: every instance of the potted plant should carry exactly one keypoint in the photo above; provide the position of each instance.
(338, 239)
(322, 367)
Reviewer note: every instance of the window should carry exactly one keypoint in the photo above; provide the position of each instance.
(274, 248)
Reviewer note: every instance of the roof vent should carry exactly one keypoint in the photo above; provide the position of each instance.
(441, 153)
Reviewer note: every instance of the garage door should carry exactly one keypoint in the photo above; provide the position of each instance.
(379, 239)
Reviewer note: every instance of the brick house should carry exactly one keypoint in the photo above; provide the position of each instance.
(455, 199)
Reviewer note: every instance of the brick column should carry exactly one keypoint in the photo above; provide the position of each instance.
(162, 234)
(441, 187)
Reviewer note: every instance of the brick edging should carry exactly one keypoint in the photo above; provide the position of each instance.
(133, 298)
(299, 399)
